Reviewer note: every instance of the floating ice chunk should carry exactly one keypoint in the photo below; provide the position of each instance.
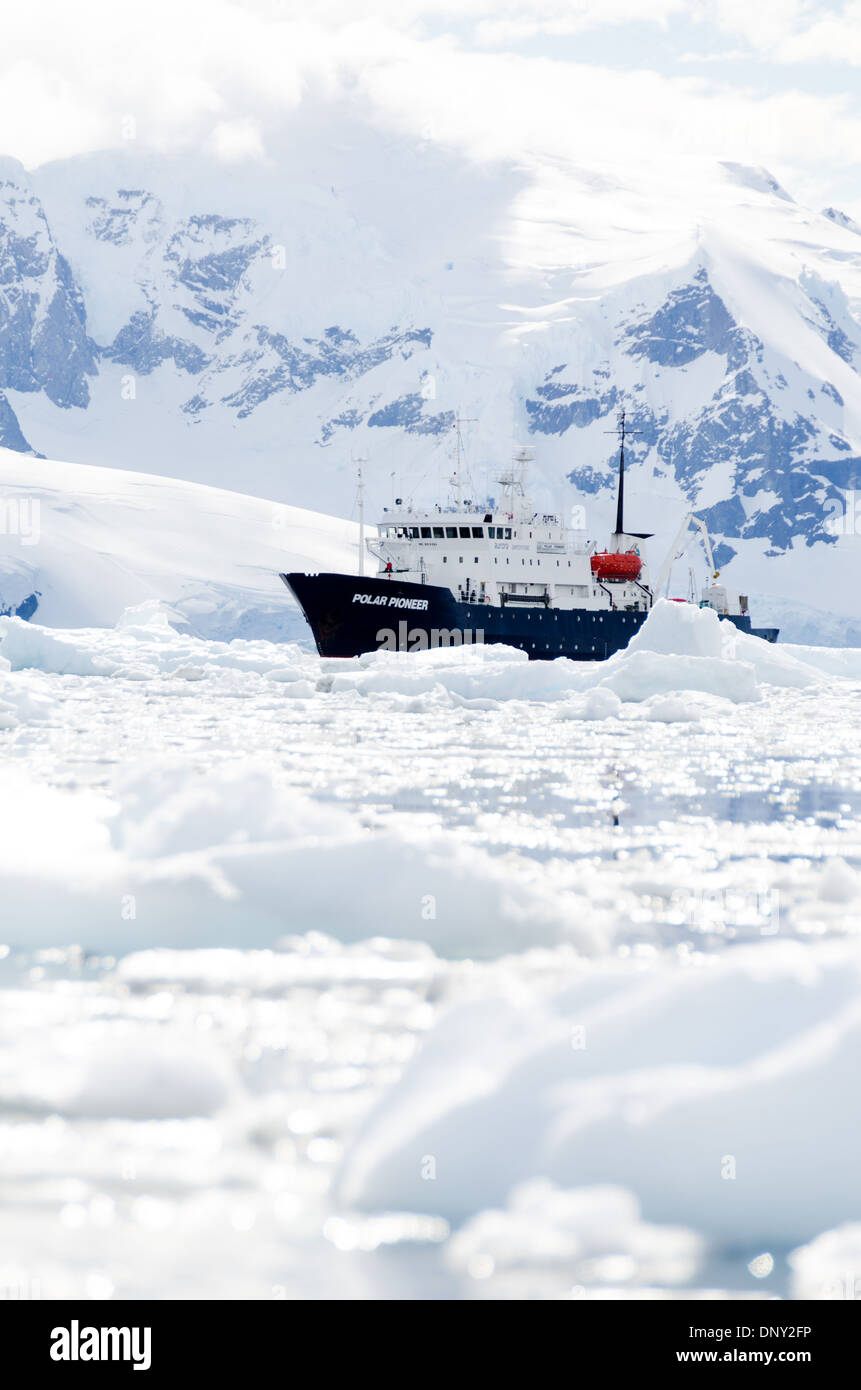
(296, 689)
(51, 835)
(154, 1078)
(600, 703)
(133, 1074)
(589, 1235)
(135, 673)
(186, 856)
(681, 629)
(673, 709)
(684, 1087)
(640, 674)
(838, 883)
(25, 702)
(28, 647)
(774, 666)
(170, 808)
(831, 661)
(153, 614)
(830, 1266)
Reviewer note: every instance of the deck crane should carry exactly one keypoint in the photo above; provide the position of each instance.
(680, 545)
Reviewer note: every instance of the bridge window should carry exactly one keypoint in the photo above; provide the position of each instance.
(438, 533)
(425, 530)
(478, 533)
(508, 533)
(451, 533)
(464, 533)
(413, 533)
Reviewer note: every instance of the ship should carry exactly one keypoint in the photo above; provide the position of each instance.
(465, 573)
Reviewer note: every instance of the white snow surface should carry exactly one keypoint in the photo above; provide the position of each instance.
(92, 542)
(438, 974)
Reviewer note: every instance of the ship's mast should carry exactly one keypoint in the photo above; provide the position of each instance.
(620, 498)
(360, 489)
(457, 479)
(622, 431)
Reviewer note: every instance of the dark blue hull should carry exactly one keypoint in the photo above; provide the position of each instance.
(349, 615)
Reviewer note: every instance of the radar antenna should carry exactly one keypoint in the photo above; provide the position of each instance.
(513, 479)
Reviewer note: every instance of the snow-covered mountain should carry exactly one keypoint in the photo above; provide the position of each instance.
(258, 328)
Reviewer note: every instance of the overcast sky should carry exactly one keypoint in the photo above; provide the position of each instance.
(773, 82)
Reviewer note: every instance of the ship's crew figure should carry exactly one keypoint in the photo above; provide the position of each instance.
(388, 568)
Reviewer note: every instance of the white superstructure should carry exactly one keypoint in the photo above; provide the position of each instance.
(506, 553)
(510, 553)
(496, 556)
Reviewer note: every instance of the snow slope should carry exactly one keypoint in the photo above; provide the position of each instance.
(90, 542)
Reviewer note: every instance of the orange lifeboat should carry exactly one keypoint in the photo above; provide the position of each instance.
(608, 564)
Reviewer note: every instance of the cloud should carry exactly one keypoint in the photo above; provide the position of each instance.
(232, 78)
(794, 31)
(834, 38)
(237, 140)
